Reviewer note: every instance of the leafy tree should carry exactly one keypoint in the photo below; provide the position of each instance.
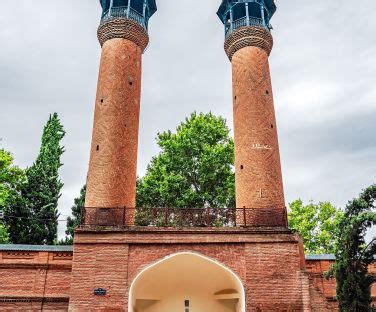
(12, 179)
(17, 218)
(42, 190)
(354, 255)
(4, 237)
(316, 224)
(194, 167)
(75, 220)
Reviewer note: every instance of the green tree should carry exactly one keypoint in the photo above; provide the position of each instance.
(12, 179)
(42, 190)
(17, 218)
(194, 167)
(354, 255)
(316, 224)
(75, 220)
(4, 237)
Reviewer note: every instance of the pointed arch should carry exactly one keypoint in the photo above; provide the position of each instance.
(186, 278)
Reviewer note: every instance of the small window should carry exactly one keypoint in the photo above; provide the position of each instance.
(186, 305)
(97, 147)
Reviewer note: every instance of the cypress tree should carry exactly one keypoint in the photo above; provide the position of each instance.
(354, 255)
(42, 190)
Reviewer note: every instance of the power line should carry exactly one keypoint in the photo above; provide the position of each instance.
(34, 218)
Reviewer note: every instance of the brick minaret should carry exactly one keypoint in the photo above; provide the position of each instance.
(111, 180)
(257, 161)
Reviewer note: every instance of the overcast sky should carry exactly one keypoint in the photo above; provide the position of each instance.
(323, 73)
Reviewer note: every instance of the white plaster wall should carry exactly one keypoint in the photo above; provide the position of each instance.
(166, 285)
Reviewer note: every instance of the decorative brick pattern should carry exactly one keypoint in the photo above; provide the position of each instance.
(99, 266)
(123, 28)
(250, 36)
(111, 180)
(257, 160)
(19, 255)
(269, 264)
(38, 283)
(62, 256)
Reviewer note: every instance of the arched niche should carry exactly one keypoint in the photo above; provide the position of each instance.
(186, 282)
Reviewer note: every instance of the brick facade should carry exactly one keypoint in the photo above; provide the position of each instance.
(323, 291)
(269, 263)
(35, 278)
(111, 179)
(258, 176)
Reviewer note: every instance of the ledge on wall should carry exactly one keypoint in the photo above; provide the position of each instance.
(11, 247)
(320, 257)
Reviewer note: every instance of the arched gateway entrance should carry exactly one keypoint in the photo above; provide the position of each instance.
(186, 282)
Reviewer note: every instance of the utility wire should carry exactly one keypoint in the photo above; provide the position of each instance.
(34, 218)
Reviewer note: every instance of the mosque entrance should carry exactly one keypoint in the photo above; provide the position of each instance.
(186, 282)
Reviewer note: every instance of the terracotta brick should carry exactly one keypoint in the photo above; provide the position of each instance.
(258, 174)
(35, 281)
(111, 180)
(267, 263)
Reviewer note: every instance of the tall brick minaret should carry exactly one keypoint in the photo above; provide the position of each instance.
(111, 180)
(248, 44)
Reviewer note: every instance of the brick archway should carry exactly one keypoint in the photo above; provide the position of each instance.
(188, 282)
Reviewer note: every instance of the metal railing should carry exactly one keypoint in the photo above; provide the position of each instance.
(122, 12)
(243, 22)
(183, 217)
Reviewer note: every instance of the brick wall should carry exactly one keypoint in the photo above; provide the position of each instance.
(323, 291)
(268, 263)
(35, 279)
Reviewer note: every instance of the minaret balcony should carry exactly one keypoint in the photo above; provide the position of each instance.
(245, 22)
(124, 13)
(236, 14)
